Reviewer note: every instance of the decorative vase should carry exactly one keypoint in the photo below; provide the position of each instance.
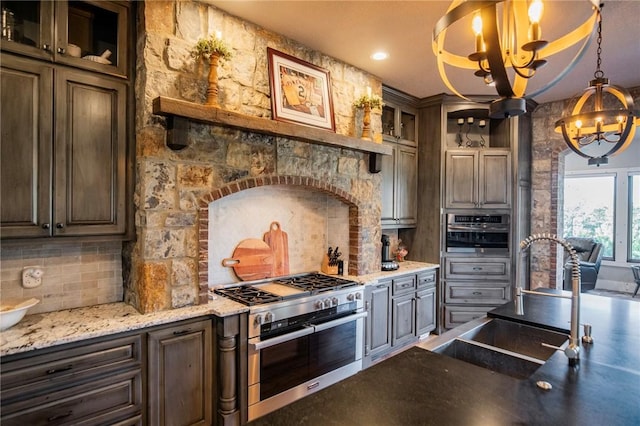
(366, 123)
(212, 89)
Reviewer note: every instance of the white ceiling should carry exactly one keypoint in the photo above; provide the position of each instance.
(352, 30)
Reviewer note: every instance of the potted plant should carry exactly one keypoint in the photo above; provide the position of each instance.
(367, 103)
(212, 49)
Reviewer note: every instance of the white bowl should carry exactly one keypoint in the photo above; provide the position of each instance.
(73, 50)
(11, 312)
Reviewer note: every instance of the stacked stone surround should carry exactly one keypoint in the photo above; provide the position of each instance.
(168, 261)
(549, 151)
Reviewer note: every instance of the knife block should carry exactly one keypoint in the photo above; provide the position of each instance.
(328, 269)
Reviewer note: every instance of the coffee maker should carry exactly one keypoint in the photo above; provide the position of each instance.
(388, 264)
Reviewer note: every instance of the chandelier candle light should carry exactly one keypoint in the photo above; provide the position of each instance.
(509, 48)
(601, 121)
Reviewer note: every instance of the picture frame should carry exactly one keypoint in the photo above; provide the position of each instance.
(300, 91)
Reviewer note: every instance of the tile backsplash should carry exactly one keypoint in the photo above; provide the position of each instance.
(75, 274)
(312, 220)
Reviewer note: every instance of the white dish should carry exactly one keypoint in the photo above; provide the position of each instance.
(73, 50)
(11, 312)
(97, 59)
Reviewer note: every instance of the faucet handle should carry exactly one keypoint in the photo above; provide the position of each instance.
(587, 334)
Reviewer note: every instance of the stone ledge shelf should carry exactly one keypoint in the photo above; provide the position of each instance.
(180, 112)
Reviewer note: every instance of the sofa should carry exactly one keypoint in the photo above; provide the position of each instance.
(589, 253)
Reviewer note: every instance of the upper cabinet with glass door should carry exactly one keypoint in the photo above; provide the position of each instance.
(399, 123)
(84, 34)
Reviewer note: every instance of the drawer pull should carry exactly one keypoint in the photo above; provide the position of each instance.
(59, 416)
(181, 332)
(381, 286)
(58, 370)
(477, 268)
(477, 293)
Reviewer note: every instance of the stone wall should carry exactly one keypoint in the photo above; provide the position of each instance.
(549, 151)
(174, 188)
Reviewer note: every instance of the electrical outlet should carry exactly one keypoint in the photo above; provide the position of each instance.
(32, 276)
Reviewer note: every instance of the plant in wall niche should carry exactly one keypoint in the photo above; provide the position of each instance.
(367, 103)
(212, 49)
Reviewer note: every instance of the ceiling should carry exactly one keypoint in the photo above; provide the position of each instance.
(352, 30)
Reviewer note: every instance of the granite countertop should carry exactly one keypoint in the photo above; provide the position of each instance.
(419, 387)
(406, 267)
(44, 330)
(48, 329)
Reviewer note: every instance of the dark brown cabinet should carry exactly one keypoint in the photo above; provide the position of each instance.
(65, 162)
(478, 179)
(180, 379)
(75, 33)
(399, 170)
(65, 172)
(378, 324)
(92, 384)
(400, 310)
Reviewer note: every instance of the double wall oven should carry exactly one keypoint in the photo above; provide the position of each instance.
(305, 333)
(478, 233)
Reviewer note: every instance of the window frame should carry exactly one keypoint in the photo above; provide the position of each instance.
(630, 206)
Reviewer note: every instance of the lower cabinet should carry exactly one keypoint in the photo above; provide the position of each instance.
(104, 381)
(472, 287)
(180, 374)
(89, 384)
(400, 310)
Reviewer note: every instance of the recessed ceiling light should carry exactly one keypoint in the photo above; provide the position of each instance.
(379, 56)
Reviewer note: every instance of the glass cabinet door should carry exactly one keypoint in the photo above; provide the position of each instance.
(27, 27)
(84, 34)
(92, 34)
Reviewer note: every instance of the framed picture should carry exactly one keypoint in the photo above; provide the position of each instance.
(300, 91)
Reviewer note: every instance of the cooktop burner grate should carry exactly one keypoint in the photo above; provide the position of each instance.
(248, 295)
(316, 283)
(308, 284)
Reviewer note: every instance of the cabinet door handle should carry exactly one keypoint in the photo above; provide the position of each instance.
(58, 370)
(46, 47)
(61, 50)
(181, 332)
(60, 416)
(59, 225)
(46, 226)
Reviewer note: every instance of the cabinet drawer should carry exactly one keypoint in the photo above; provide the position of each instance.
(104, 401)
(426, 279)
(475, 293)
(404, 284)
(457, 315)
(478, 268)
(30, 376)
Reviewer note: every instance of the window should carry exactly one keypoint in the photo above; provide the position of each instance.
(634, 218)
(589, 209)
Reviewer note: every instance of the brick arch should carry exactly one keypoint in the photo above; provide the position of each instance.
(355, 219)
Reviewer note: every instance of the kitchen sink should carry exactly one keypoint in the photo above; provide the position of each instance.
(490, 358)
(519, 338)
(504, 347)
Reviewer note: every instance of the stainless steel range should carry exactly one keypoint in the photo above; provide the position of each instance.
(305, 332)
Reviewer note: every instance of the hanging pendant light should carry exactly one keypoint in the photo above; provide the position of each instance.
(509, 48)
(601, 121)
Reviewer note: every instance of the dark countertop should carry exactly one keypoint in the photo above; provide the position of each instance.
(418, 387)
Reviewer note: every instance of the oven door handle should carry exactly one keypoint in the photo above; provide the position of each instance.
(281, 339)
(339, 321)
